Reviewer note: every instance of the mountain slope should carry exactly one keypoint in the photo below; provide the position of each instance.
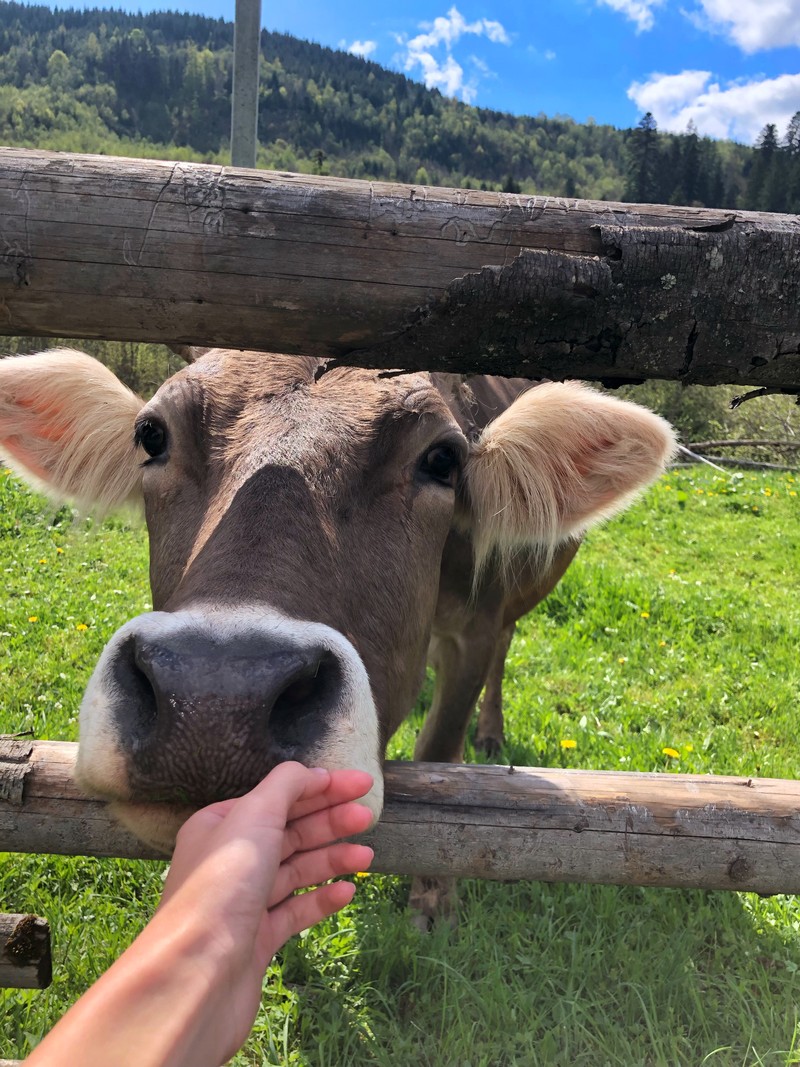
(159, 84)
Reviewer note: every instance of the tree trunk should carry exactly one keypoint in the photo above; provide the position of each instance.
(389, 275)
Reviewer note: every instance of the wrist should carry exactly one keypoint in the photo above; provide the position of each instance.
(149, 1008)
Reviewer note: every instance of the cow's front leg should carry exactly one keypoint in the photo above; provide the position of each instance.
(461, 662)
(490, 737)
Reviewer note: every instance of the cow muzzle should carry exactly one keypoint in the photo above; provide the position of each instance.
(186, 708)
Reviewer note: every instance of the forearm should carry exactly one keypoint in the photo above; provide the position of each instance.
(148, 1009)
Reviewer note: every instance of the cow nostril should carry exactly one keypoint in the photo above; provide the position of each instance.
(307, 694)
(135, 688)
(298, 692)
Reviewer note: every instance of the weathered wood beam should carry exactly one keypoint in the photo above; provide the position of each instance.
(391, 275)
(25, 958)
(491, 822)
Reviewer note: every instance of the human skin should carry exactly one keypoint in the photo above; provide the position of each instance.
(186, 992)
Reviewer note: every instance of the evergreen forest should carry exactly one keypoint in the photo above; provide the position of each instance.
(159, 85)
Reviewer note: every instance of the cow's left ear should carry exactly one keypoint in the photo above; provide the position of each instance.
(559, 459)
(66, 426)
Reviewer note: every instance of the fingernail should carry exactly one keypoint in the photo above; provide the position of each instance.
(319, 770)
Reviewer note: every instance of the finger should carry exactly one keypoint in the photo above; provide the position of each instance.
(344, 785)
(266, 807)
(312, 868)
(298, 913)
(325, 826)
(203, 822)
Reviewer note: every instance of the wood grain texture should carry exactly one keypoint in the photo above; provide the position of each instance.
(389, 275)
(499, 823)
(25, 957)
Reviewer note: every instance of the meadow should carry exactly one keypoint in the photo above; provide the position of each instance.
(671, 645)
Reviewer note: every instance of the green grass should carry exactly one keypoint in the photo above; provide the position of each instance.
(677, 627)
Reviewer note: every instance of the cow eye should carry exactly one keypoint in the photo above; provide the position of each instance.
(442, 463)
(152, 437)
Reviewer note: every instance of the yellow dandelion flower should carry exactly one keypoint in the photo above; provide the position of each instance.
(673, 571)
(33, 618)
(689, 747)
(60, 551)
(622, 659)
(671, 752)
(362, 874)
(81, 626)
(755, 508)
(645, 615)
(567, 742)
(662, 644)
(43, 561)
(7, 471)
(792, 492)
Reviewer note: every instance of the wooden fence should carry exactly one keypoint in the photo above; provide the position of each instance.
(503, 823)
(388, 275)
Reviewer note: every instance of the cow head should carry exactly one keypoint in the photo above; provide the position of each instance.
(296, 535)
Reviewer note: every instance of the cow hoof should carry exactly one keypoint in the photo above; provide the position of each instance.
(433, 901)
(489, 746)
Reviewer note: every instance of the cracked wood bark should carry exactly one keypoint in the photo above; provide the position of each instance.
(390, 275)
(25, 958)
(492, 822)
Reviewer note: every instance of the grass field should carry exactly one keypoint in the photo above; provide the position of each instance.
(672, 644)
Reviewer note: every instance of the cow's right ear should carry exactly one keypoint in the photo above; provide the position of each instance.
(66, 426)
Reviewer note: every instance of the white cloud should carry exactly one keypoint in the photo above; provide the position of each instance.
(549, 55)
(360, 48)
(444, 72)
(739, 109)
(638, 11)
(753, 25)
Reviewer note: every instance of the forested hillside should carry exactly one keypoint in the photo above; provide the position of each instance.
(159, 84)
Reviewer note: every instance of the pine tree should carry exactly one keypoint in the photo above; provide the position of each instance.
(690, 171)
(791, 151)
(642, 185)
(765, 161)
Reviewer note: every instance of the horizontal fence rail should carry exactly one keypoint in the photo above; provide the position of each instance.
(389, 275)
(500, 823)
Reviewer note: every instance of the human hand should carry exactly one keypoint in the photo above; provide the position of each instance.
(235, 867)
(186, 992)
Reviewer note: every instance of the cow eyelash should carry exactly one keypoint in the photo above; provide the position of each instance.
(443, 463)
(152, 436)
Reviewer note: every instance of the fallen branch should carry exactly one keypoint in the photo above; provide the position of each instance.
(727, 461)
(492, 822)
(693, 457)
(701, 446)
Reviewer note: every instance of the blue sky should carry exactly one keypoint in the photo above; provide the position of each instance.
(728, 65)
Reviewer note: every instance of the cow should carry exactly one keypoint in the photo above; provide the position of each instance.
(316, 535)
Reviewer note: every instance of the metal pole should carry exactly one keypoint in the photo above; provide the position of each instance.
(244, 109)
